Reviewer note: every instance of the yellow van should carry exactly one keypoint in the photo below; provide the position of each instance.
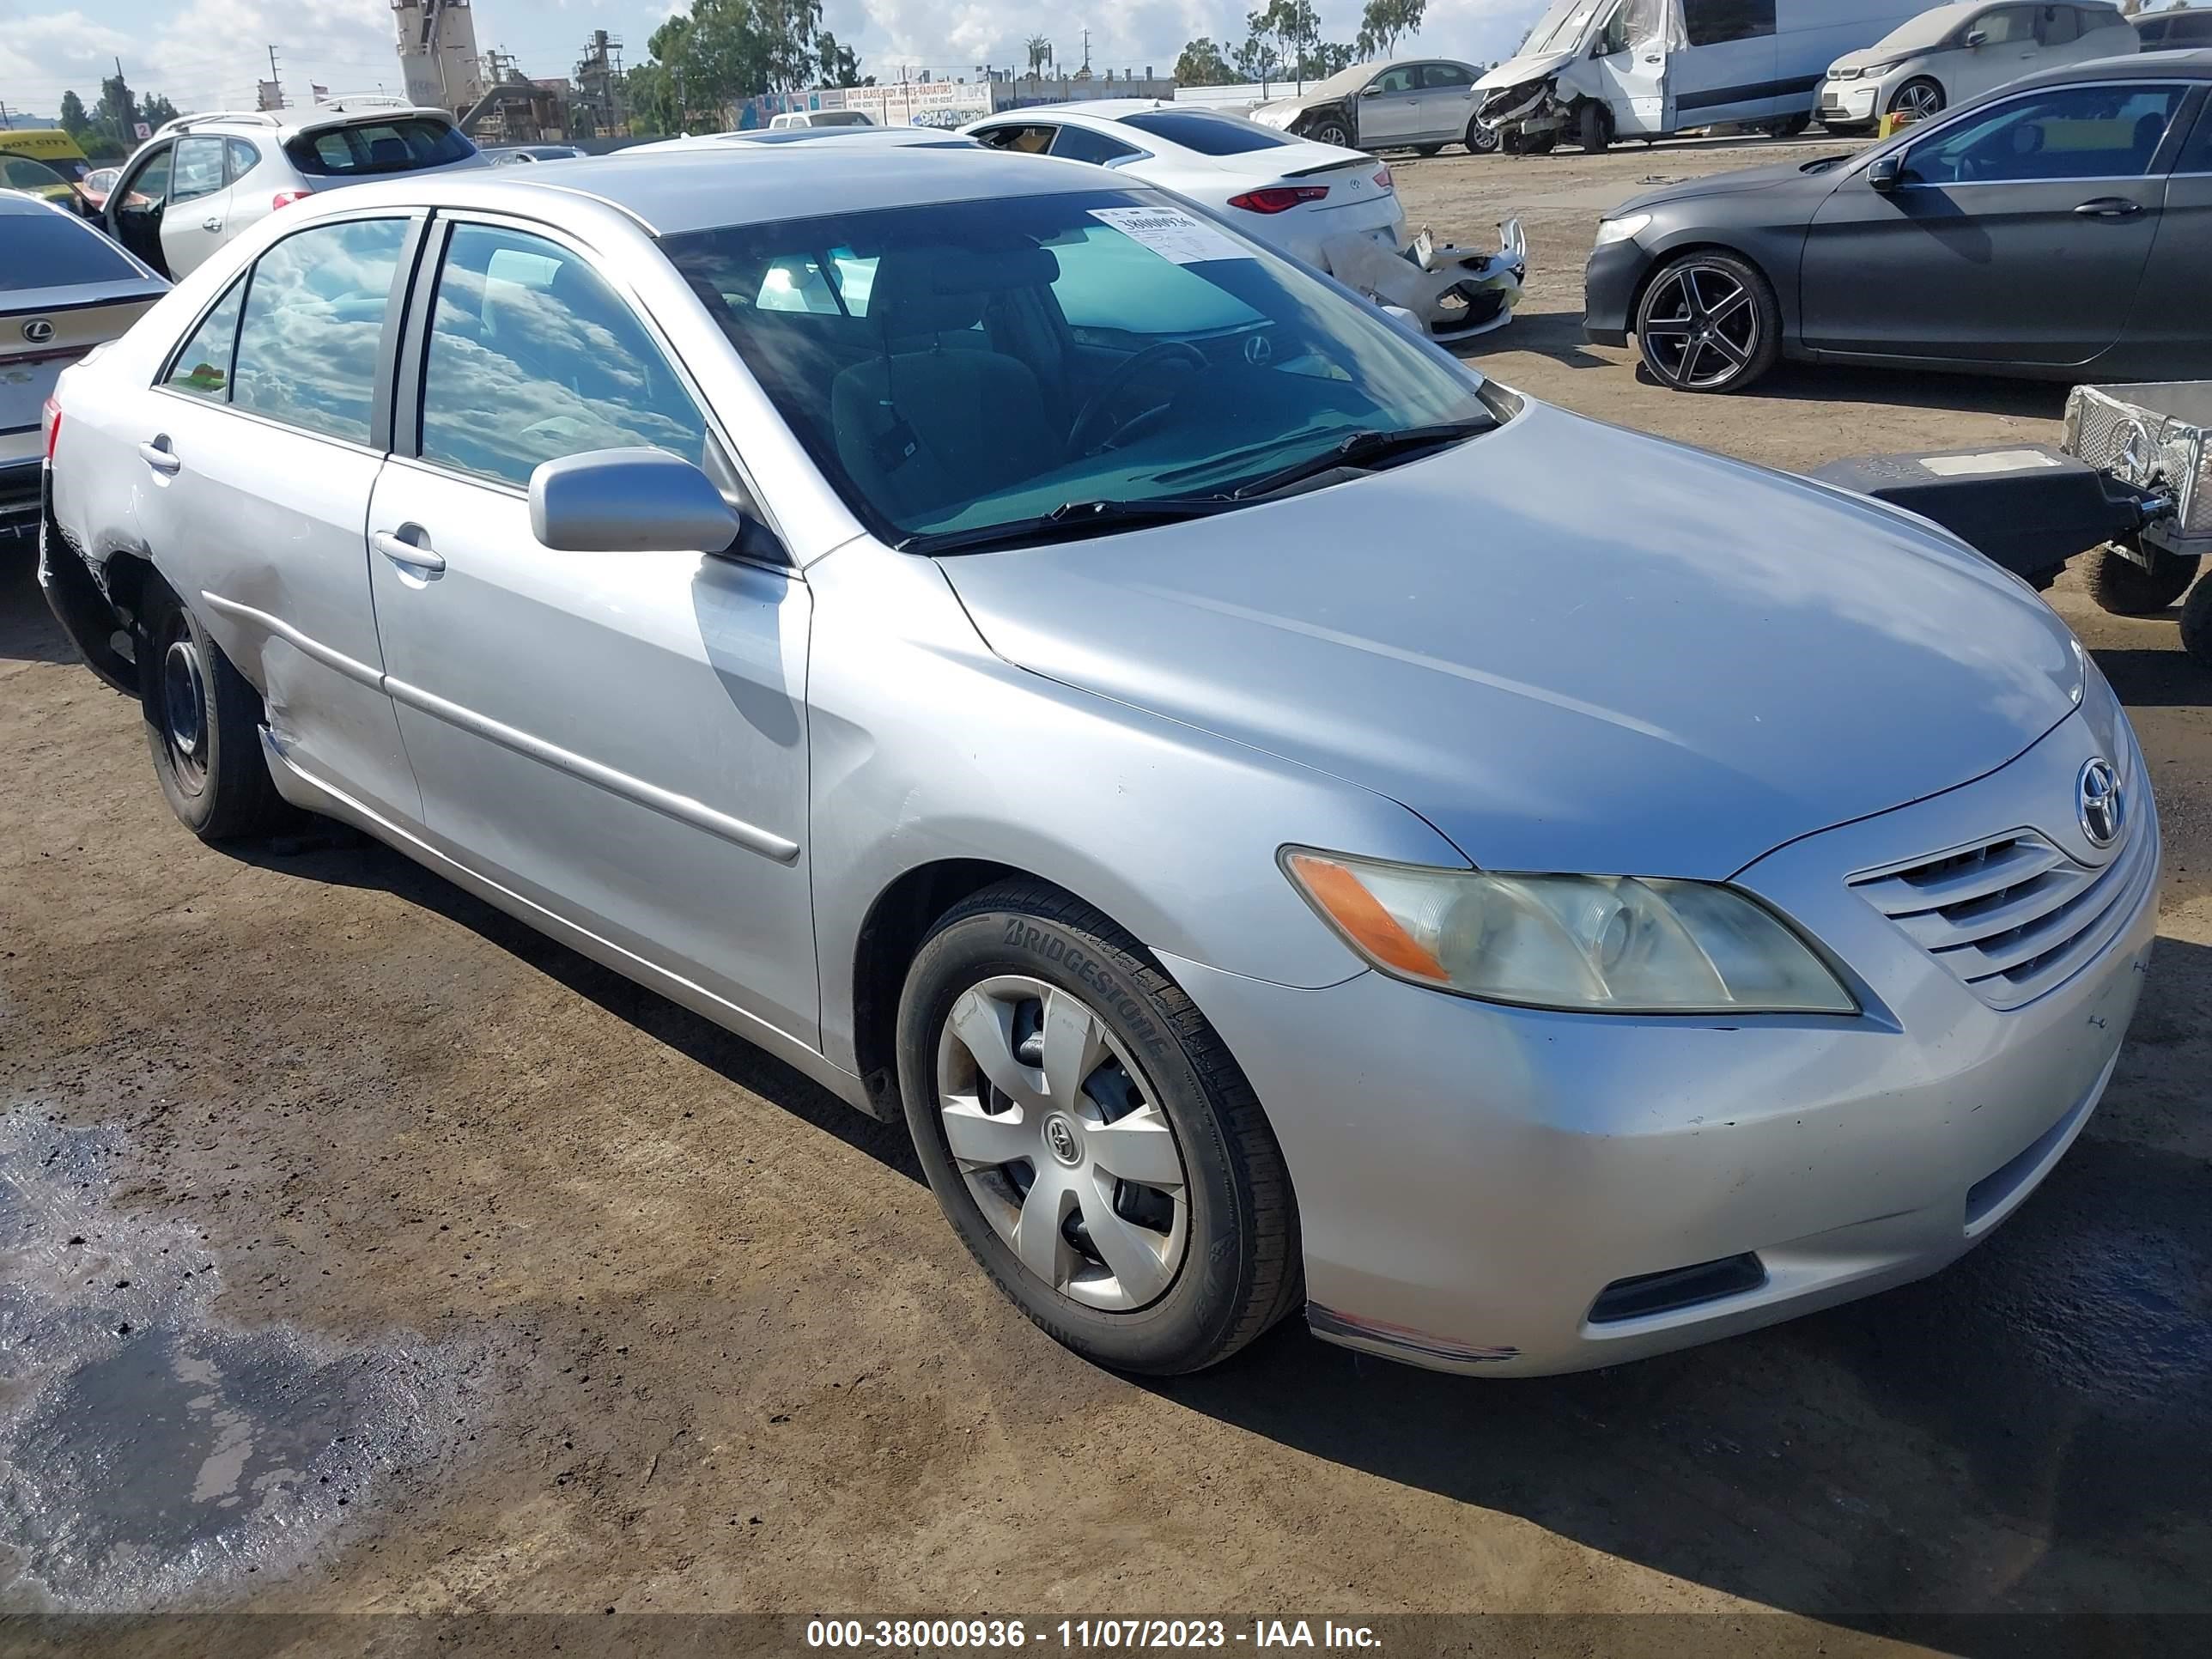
(55, 151)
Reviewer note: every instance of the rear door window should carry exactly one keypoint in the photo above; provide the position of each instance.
(1205, 132)
(1711, 22)
(203, 367)
(1081, 144)
(314, 319)
(367, 147)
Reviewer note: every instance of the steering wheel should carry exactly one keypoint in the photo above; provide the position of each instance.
(1095, 409)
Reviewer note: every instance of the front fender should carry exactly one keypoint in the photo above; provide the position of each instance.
(925, 746)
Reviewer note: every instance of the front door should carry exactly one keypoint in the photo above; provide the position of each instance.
(2015, 233)
(619, 738)
(193, 222)
(1390, 108)
(137, 204)
(256, 464)
(1633, 73)
(1998, 46)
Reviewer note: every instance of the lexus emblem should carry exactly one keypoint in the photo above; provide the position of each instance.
(2104, 811)
(37, 330)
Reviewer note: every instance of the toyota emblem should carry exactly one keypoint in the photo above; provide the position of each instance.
(2103, 809)
(37, 330)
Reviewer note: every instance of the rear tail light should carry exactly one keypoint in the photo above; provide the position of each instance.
(1382, 179)
(1279, 198)
(284, 198)
(50, 424)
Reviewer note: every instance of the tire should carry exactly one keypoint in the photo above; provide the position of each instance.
(1538, 143)
(2123, 587)
(1708, 322)
(1202, 1264)
(1333, 130)
(1920, 96)
(1593, 129)
(203, 721)
(1426, 150)
(2197, 625)
(1480, 140)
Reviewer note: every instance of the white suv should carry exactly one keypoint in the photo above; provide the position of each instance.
(201, 179)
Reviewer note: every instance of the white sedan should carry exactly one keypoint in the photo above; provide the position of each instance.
(1293, 193)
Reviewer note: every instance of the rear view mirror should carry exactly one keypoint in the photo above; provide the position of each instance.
(1883, 172)
(630, 501)
(1977, 37)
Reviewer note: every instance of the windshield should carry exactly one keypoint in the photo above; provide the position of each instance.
(966, 365)
(1561, 28)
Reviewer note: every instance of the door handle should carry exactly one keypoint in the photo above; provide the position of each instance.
(416, 555)
(2110, 206)
(212, 222)
(158, 455)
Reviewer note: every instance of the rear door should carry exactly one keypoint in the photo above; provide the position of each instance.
(1729, 72)
(198, 204)
(2018, 232)
(2168, 333)
(1447, 101)
(620, 739)
(256, 455)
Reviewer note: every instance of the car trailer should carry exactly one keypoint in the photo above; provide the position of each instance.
(2132, 483)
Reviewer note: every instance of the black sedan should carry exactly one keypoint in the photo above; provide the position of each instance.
(2059, 227)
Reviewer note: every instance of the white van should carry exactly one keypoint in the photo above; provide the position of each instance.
(1594, 70)
(819, 117)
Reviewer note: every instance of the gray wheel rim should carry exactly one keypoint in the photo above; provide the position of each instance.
(1920, 101)
(184, 710)
(1699, 328)
(1059, 1138)
(1481, 139)
(1334, 134)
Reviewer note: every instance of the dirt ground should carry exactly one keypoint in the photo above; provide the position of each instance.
(361, 1250)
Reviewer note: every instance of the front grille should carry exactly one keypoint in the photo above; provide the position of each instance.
(2013, 917)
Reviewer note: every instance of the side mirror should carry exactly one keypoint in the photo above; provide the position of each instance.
(1370, 91)
(1884, 171)
(1977, 37)
(630, 501)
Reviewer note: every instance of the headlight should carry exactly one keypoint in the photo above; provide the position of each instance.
(1619, 230)
(1871, 71)
(1604, 944)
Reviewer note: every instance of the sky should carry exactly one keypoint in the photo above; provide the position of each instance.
(205, 54)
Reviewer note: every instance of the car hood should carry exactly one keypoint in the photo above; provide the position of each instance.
(1517, 72)
(1279, 109)
(1668, 673)
(1877, 53)
(1726, 184)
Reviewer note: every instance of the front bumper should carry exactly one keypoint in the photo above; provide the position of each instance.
(1471, 1178)
(1610, 280)
(1852, 102)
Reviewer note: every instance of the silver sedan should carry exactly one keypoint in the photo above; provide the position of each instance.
(1223, 773)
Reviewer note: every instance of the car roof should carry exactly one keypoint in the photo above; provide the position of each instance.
(1105, 109)
(2194, 64)
(705, 185)
(337, 112)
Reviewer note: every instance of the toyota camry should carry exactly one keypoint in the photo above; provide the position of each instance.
(1089, 689)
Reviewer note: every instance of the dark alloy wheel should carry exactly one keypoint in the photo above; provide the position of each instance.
(1708, 323)
(2124, 588)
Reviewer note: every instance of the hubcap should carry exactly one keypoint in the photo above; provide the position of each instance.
(1922, 101)
(184, 708)
(1056, 1133)
(1700, 327)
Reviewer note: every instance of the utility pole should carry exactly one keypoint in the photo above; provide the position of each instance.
(276, 80)
(1086, 52)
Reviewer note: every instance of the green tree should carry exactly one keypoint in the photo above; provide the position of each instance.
(840, 65)
(74, 119)
(1385, 22)
(118, 110)
(1258, 58)
(1202, 64)
(1294, 28)
(1040, 53)
(154, 109)
(1330, 56)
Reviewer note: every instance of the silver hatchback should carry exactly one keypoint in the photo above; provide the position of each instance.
(1076, 683)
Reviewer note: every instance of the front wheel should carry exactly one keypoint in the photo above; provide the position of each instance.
(1090, 1138)
(1918, 98)
(203, 721)
(1708, 322)
(2123, 587)
(1480, 140)
(1595, 128)
(1332, 131)
(2197, 625)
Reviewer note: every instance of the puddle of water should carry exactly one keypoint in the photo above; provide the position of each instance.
(149, 1456)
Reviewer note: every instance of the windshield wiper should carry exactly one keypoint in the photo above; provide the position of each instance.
(1069, 519)
(1362, 449)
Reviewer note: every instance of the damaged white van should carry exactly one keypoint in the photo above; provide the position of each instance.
(1594, 70)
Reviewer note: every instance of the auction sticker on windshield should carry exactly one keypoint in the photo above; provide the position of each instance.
(1171, 234)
